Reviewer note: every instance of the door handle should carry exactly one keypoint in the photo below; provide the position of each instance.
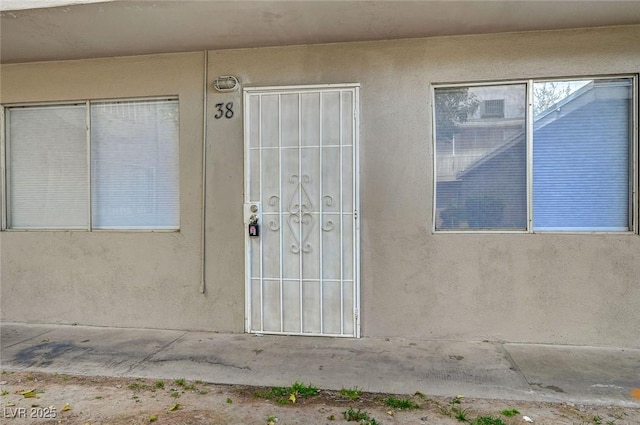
(251, 212)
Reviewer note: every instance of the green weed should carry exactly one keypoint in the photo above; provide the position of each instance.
(351, 393)
(457, 399)
(271, 393)
(460, 414)
(400, 403)
(281, 394)
(510, 412)
(135, 386)
(487, 420)
(359, 416)
(303, 390)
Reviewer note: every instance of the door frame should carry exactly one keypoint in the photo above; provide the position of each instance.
(247, 91)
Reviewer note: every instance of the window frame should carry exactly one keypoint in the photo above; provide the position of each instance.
(5, 166)
(634, 160)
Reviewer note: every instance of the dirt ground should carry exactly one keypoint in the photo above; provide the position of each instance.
(37, 398)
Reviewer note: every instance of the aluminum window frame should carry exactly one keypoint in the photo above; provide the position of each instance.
(634, 151)
(5, 166)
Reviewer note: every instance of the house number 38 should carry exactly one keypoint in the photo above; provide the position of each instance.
(224, 110)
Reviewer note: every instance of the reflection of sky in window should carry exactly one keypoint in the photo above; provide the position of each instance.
(561, 86)
(549, 93)
(575, 85)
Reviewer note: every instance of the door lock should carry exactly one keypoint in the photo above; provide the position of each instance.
(251, 212)
(251, 217)
(254, 227)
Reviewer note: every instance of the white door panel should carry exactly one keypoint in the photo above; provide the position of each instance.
(301, 176)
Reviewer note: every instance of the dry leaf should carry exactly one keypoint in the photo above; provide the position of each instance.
(66, 407)
(292, 397)
(29, 393)
(174, 407)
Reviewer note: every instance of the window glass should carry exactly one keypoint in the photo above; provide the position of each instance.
(581, 151)
(129, 178)
(134, 165)
(47, 173)
(481, 157)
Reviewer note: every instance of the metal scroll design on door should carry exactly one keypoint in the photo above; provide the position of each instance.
(273, 201)
(300, 207)
(300, 218)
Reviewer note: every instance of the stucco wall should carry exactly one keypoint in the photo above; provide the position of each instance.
(130, 279)
(566, 289)
(549, 288)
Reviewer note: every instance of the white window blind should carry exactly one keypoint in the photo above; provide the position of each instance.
(134, 165)
(123, 175)
(47, 167)
(581, 159)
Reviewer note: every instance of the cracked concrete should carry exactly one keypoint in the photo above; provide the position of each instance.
(594, 375)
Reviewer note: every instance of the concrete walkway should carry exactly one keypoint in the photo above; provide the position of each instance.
(590, 375)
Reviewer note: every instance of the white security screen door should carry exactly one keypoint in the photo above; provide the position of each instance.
(301, 205)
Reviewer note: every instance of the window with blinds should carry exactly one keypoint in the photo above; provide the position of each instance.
(93, 165)
(582, 159)
(569, 170)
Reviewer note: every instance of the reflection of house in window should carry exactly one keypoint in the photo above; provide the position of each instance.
(493, 108)
(581, 171)
(479, 134)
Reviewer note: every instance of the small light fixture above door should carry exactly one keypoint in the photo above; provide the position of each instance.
(226, 83)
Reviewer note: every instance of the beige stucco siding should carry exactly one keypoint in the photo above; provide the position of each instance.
(548, 288)
(573, 289)
(132, 279)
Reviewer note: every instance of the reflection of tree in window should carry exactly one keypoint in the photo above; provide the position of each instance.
(480, 157)
(453, 107)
